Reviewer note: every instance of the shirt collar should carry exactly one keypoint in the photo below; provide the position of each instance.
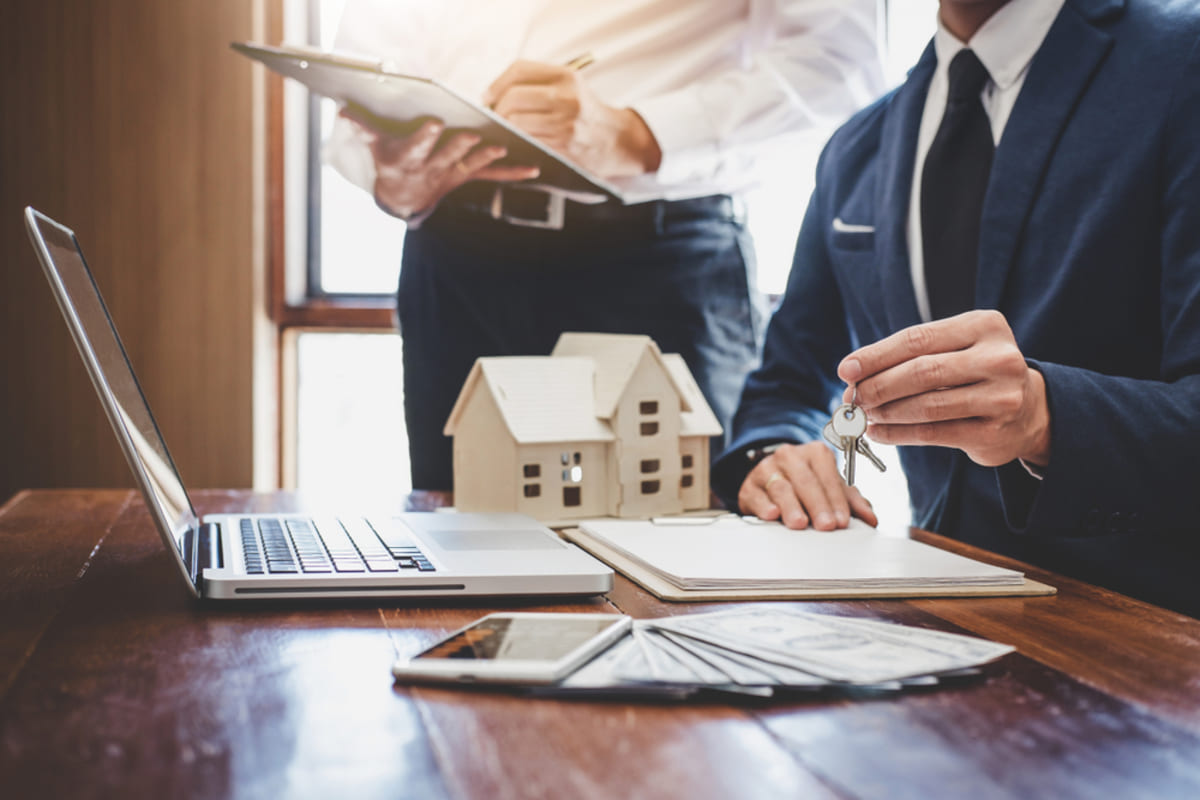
(1005, 43)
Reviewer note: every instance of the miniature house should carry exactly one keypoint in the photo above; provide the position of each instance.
(607, 425)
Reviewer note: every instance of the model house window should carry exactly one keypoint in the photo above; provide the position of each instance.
(533, 470)
(533, 490)
(648, 407)
(687, 461)
(572, 496)
(649, 428)
(686, 480)
(565, 458)
(650, 487)
(649, 465)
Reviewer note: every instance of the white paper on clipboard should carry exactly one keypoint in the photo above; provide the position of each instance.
(399, 103)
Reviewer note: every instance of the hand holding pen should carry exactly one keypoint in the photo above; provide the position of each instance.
(554, 103)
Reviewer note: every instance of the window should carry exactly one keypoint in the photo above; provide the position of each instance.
(687, 461)
(532, 470)
(650, 487)
(572, 496)
(649, 465)
(685, 481)
(649, 428)
(533, 490)
(648, 407)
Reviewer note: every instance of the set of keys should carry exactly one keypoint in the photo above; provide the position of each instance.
(845, 431)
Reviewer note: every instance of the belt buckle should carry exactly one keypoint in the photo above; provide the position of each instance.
(556, 205)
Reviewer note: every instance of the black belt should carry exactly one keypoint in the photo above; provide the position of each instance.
(528, 207)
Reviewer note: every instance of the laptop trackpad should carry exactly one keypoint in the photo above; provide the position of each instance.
(492, 540)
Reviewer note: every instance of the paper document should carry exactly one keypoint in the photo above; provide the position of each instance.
(399, 103)
(733, 553)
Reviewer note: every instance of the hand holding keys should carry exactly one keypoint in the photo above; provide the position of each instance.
(845, 431)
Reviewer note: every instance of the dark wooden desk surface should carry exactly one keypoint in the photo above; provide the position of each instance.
(113, 682)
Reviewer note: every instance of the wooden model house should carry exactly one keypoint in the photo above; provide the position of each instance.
(607, 425)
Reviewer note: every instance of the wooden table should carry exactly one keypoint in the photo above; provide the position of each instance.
(113, 682)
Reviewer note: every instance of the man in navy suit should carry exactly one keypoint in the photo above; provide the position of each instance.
(1022, 319)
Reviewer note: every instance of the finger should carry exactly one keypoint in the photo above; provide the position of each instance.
(549, 99)
(963, 402)
(814, 492)
(410, 150)
(824, 464)
(752, 497)
(861, 507)
(452, 152)
(477, 166)
(783, 494)
(919, 377)
(954, 433)
(940, 336)
(522, 72)
(507, 174)
(547, 127)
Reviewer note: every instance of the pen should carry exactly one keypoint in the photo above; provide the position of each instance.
(580, 61)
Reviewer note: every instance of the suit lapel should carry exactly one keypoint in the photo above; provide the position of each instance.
(898, 147)
(1058, 76)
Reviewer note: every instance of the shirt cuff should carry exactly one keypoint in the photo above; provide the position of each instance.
(684, 134)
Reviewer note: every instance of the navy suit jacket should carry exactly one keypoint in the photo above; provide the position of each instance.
(1090, 247)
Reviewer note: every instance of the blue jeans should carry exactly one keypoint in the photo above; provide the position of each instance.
(680, 272)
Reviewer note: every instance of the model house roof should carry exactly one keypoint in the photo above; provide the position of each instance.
(697, 418)
(541, 399)
(616, 356)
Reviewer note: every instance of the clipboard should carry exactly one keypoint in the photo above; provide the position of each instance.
(397, 103)
(664, 589)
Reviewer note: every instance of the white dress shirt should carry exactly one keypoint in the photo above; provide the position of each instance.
(1005, 44)
(716, 81)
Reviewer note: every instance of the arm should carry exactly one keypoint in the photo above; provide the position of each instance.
(407, 175)
(787, 399)
(810, 63)
(1120, 453)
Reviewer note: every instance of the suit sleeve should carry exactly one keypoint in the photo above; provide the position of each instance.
(788, 398)
(1125, 453)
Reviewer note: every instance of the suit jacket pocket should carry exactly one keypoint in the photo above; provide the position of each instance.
(852, 240)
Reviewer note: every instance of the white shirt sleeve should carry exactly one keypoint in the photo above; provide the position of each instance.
(807, 64)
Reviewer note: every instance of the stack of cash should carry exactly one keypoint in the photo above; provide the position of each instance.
(758, 650)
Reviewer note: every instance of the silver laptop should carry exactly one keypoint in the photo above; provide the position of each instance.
(249, 556)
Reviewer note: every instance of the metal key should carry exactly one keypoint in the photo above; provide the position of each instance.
(849, 424)
(866, 450)
(837, 441)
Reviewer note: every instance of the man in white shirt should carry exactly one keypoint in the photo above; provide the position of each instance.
(1000, 266)
(681, 100)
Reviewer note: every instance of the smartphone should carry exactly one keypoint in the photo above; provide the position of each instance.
(526, 648)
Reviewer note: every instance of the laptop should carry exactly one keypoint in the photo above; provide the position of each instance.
(270, 556)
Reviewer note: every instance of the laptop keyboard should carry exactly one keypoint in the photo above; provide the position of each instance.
(297, 545)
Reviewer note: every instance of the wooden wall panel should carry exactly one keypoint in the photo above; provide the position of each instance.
(132, 122)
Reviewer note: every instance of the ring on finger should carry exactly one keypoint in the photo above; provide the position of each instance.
(775, 476)
(462, 168)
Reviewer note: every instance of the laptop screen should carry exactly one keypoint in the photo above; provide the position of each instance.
(109, 367)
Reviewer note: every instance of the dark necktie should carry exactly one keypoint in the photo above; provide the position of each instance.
(953, 184)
